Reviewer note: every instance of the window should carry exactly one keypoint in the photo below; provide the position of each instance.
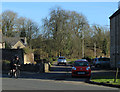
(18, 47)
(61, 57)
(81, 63)
(104, 59)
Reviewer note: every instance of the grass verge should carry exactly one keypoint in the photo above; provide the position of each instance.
(71, 61)
(107, 81)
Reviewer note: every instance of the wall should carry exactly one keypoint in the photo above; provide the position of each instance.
(115, 41)
(0, 45)
(8, 54)
(28, 58)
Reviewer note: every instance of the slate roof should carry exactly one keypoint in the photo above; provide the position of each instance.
(115, 14)
(11, 40)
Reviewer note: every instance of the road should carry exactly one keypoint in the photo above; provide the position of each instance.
(59, 78)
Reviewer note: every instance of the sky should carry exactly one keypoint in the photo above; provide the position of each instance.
(95, 12)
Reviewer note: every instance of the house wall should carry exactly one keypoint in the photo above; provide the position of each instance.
(3, 45)
(18, 44)
(28, 58)
(115, 41)
(0, 45)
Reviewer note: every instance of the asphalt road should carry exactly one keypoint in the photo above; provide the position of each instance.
(59, 78)
(41, 84)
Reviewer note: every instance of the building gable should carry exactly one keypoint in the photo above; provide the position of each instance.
(115, 14)
(19, 44)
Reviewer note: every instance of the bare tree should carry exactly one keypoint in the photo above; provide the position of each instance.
(8, 22)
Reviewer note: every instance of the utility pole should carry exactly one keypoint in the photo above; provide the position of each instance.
(83, 50)
(95, 49)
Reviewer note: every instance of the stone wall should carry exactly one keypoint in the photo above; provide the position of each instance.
(8, 54)
(40, 68)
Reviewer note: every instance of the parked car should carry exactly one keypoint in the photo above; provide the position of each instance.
(81, 68)
(101, 62)
(62, 60)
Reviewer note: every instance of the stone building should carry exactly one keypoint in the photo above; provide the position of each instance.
(11, 46)
(14, 42)
(115, 39)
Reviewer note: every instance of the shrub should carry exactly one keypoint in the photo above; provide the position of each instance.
(6, 62)
(27, 50)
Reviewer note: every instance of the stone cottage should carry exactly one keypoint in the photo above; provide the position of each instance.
(11, 46)
(14, 42)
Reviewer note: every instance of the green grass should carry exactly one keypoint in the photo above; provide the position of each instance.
(105, 79)
(71, 60)
(108, 81)
(6, 62)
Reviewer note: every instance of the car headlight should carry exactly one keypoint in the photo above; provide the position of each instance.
(65, 61)
(73, 68)
(87, 68)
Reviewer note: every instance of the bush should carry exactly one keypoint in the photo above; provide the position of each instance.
(27, 50)
(6, 62)
(71, 62)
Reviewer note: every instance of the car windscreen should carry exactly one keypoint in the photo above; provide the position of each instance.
(104, 59)
(82, 63)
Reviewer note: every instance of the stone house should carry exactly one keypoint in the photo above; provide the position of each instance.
(11, 46)
(15, 42)
(115, 39)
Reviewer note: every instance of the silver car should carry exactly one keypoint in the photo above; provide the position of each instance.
(101, 62)
(61, 60)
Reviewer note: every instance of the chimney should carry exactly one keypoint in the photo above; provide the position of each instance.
(119, 5)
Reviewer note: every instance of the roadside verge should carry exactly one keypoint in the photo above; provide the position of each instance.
(103, 84)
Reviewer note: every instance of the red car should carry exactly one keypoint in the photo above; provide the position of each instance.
(81, 68)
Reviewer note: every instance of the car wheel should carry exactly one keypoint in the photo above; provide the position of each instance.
(89, 77)
(98, 66)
